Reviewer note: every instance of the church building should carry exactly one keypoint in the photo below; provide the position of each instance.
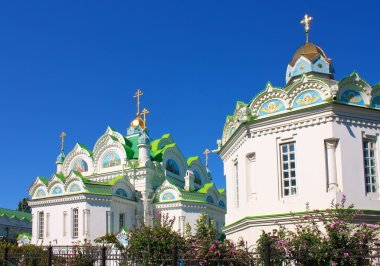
(122, 181)
(311, 141)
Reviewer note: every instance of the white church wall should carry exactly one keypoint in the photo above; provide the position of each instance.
(259, 169)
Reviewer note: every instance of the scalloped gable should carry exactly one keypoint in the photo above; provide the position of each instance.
(353, 90)
(167, 184)
(56, 179)
(109, 132)
(38, 182)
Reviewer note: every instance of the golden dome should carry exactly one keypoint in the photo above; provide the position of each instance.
(138, 122)
(310, 51)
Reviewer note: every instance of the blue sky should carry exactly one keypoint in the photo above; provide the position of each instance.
(75, 65)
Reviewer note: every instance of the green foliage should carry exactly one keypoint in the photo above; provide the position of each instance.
(23, 206)
(109, 239)
(28, 255)
(151, 244)
(342, 241)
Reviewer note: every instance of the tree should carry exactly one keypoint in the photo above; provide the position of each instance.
(23, 206)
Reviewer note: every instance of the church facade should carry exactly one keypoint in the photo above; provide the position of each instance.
(123, 181)
(311, 141)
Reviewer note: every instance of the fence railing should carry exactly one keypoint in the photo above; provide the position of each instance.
(106, 256)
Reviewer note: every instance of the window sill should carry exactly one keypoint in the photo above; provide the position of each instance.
(373, 196)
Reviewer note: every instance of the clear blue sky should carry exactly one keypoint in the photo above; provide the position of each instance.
(74, 66)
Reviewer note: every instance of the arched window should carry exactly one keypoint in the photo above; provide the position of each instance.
(197, 179)
(74, 188)
(172, 167)
(222, 204)
(111, 159)
(121, 192)
(80, 166)
(210, 199)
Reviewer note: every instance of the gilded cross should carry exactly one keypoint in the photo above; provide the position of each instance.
(206, 153)
(62, 136)
(306, 21)
(144, 112)
(137, 95)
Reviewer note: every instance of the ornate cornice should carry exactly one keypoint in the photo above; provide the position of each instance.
(313, 116)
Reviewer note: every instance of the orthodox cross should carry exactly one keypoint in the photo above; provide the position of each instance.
(144, 112)
(306, 21)
(137, 95)
(62, 136)
(206, 152)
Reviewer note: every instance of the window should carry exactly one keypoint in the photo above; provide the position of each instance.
(75, 223)
(197, 178)
(288, 169)
(41, 225)
(172, 167)
(121, 221)
(210, 199)
(370, 176)
(236, 177)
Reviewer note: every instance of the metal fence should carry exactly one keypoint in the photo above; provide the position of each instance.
(105, 256)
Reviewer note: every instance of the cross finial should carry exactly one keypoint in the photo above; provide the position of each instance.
(206, 153)
(306, 21)
(144, 112)
(137, 95)
(62, 136)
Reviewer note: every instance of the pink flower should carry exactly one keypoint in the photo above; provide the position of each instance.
(345, 254)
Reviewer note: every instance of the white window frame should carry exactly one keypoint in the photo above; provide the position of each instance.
(41, 228)
(286, 174)
(75, 223)
(370, 162)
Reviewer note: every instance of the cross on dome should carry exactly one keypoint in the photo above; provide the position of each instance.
(144, 112)
(62, 136)
(306, 21)
(206, 153)
(137, 95)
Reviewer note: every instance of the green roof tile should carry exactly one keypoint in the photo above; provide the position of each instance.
(11, 214)
(60, 176)
(43, 179)
(190, 160)
(85, 148)
(205, 188)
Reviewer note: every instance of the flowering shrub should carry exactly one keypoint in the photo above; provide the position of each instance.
(204, 246)
(342, 241)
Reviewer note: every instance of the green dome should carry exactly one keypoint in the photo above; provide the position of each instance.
(61, 157)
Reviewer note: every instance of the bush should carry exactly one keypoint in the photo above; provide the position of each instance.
(342, 242)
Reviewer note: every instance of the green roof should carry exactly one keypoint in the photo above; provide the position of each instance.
(43, 179)
(60, 176)
(24, 234)
(113, 181)
(11, 214)
(85, 148)
(190, 160)
(205, 188)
